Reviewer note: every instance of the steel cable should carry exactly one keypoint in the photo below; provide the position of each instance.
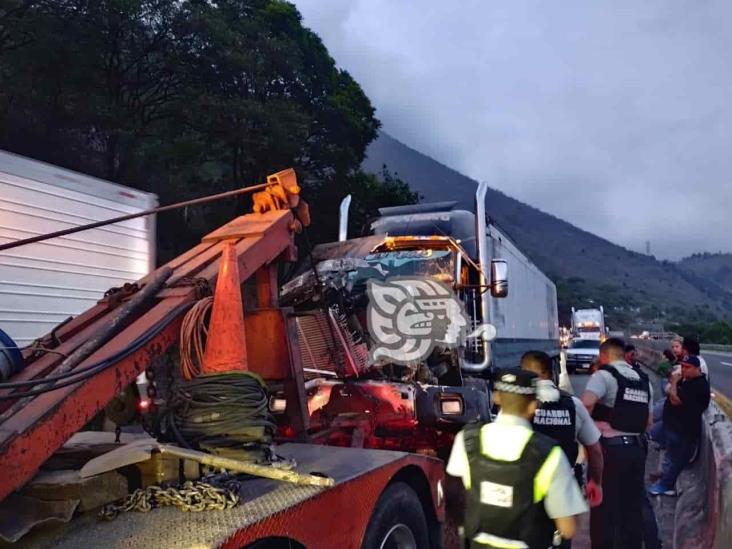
(193, 332)
(75, 376)
(223, 410)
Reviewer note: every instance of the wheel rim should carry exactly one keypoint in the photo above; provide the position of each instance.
(399, 537)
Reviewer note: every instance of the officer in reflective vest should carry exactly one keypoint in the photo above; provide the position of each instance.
(520, 489)
(620, 402)
(564, 418)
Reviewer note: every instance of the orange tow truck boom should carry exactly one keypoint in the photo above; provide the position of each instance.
(87, 362)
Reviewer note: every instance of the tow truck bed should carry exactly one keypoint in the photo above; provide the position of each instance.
(268, 508)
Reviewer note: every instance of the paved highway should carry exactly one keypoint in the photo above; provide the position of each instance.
(579, 381)
(720, 371)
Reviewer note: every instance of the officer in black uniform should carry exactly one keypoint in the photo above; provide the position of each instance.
(620, 401)
(631, 357)
(650, 524)
(521, 492)
(564, 418)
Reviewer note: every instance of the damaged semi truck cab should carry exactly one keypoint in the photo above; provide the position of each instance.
(416, 405)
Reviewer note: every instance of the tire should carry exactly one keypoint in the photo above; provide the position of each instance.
(571, 370)
(398, 521)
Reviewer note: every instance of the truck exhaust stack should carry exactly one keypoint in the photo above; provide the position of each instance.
(481, 242)
(343, 219)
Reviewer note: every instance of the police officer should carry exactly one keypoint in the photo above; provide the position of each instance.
(564, 418)
(631, 357)
(521, 492)
(619, 401)
(649, 523)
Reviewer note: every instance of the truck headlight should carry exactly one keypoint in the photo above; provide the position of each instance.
(451, 405)
(277, 405)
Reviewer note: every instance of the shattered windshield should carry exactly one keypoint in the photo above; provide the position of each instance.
(428, 263)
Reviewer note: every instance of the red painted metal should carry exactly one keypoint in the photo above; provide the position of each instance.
(347, 507)
(373, 414)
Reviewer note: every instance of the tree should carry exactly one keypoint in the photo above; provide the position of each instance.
(368, 193)
(91, 81)
(186, 98)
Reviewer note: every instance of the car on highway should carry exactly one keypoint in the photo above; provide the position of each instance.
(581, 354)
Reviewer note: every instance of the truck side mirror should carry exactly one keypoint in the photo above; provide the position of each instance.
(499, 278)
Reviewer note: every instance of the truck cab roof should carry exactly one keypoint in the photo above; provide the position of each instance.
(432, 219)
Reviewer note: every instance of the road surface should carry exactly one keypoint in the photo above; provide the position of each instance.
(579, 381)
(720, 371)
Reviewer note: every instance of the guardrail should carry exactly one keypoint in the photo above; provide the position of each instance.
(704, 507)
(720, 348)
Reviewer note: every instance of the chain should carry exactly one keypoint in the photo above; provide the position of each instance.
(201, 286)
(191, 496)
(115, 296)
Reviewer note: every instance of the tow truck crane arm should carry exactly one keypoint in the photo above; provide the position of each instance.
(31, 433)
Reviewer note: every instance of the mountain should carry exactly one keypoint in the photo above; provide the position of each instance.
(715, 269)
(633, 287)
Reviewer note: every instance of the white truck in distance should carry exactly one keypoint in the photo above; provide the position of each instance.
(588, 324)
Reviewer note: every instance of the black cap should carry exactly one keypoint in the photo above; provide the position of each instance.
(693, 360)
(515, 380)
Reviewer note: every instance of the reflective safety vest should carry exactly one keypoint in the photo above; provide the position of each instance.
(558, 420)
(630, 412)
(511, 469)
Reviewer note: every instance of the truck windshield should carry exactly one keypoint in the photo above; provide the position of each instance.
(427, 263)
(586, 344)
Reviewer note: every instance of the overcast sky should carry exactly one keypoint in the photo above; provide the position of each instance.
(613, 115)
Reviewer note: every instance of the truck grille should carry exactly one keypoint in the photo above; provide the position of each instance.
(321, 349)
(581, 358)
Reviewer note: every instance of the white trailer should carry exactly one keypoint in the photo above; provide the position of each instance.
(527, 318)
(44, 283)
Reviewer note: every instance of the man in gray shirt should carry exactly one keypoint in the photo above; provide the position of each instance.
(620, 401)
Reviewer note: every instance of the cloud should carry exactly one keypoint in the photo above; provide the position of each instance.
(613, 115)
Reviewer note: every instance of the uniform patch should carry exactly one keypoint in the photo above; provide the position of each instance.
(498, 495)
(635, 395)
(552, 417)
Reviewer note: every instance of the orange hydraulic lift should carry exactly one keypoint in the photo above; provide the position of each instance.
(33, 427)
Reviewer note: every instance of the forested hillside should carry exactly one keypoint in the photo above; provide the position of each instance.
(185, 99)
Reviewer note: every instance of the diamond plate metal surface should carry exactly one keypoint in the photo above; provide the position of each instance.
(269, 508)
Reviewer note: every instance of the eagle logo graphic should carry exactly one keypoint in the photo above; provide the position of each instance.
(408, 317)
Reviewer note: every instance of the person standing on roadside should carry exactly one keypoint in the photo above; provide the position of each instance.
(692, 348)
(687, 400)
(650, 524)
(619, 400)
(665, 367)
(520, 490)
(677, 348)
(564, 418)
(689, 347)
(631, 357)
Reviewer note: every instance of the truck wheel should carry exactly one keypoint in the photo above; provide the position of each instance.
(398, 521)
